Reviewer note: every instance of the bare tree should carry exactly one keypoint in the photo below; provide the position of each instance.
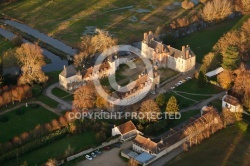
(225, 79)
(217, 10)
(31, 61)
(148, 108)
(85, 97)
(186, 4)
(51, 162)
(80, 59)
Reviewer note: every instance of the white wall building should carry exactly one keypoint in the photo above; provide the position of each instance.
(231, 103)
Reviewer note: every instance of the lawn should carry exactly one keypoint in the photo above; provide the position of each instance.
(59, 92)
(182, 102)
(56, 149)
(191, 86)
(21, 123)
(72, 17)
(48, 101)
(202, 42)
(227, 147)
(184, 117)
(166, 74)
(217, 104)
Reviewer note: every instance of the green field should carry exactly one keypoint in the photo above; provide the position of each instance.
(56, 149)
(21, 123)
(182, 102)
(166, 74)
(191, 86)
(202, 42)
(71, 17)
(227, 147)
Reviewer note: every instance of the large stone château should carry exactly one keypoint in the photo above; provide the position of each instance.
(167, 56)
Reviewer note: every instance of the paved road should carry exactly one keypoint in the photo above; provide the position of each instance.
(56, 62)
(43, 37)
(48, 92)
(164, 159)
(108, 158)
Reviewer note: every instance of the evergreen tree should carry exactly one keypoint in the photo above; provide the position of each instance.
(160, 99)
(202, 79)
(231, 58)
(172, 105)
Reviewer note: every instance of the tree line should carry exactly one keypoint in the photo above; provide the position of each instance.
(15, 93)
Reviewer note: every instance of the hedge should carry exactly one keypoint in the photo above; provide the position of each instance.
(34, 145)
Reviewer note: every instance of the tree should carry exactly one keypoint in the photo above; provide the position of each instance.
(51, 162)
(100, 136)
(246, 99)
(102, 41)
(132, 162)
(85, 97)
(225, 79)
(202, 79)
(101, 102)
(80, 59)
(217, 10)
(160, 99)
(172, 105)
(148, 109)
(231, 58)
(186, 4)
(203, 1)
(31, 61)
(17, 41)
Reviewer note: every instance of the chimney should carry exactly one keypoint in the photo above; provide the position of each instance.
(139, 76)
(145, 36)
(183, 49)
(187, 53)
(64, 67)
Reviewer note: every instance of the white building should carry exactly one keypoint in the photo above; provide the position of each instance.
(70, 79)
(126, 131)
(166, 56)
(231, 103)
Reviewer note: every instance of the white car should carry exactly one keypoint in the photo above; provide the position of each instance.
(153, 92)
(176, 84)
(93, 154)
(172, 87)
(188, 78)
(88, 157)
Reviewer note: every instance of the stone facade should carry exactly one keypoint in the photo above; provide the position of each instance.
(166, 56)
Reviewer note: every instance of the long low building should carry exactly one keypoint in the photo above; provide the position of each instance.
(190, 133)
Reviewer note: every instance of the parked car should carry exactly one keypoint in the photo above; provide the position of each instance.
(153, 92)
(172, 87)
(176, 84)
(188, 78)
(88, 157)
(93, 154)
(118, 145)
(97, 152)
(107, 148)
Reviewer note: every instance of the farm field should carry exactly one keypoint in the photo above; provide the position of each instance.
(126, 19)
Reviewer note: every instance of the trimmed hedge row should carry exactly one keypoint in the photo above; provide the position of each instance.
(34, 144)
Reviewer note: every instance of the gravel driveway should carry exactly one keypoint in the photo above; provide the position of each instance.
(108, 158)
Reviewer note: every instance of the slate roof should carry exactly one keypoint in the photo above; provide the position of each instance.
(231, 100)
(68, 71)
